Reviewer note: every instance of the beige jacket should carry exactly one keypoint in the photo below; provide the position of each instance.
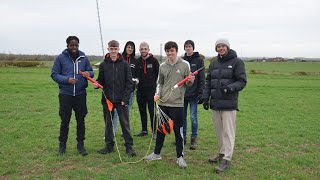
(170, 75)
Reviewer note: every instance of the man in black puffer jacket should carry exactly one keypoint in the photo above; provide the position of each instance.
(225, 78)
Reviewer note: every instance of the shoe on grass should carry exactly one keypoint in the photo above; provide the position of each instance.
(106, 150)
(225, 165)
(142, 133)
(81, 149)
(181, 163)
(152, 157)
(62, 148)
(217, 159)
(130, 152)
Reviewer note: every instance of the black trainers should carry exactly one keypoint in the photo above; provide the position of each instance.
(106, 150)
(62, 148)
(217, 159)
(130, 152)
(142, 133)
(225, 165)
(81, 149)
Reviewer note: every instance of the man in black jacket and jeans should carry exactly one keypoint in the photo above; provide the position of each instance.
(147, 73)
(226, 77)
(116, 79)
(193, 94)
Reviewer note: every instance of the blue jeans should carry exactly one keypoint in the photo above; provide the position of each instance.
(115, 116)
(193, 116)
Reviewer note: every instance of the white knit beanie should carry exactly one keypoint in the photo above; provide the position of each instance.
(222, 41)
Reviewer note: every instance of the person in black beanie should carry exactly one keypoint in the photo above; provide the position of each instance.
(226, 77)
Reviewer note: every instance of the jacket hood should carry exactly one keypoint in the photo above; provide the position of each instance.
(179, 59)
(231, 54)
(108, 58)
(124, 53)
(148, 56)
(194, 55)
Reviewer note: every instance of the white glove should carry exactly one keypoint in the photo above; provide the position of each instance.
(135, 80)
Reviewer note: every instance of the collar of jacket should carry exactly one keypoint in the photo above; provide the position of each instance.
(178, 60)
(230, 55)
(194, 55)
(66, 52)
(149, 55)
(108, 58)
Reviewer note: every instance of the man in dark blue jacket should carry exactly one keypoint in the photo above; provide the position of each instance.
(72, 91)
(193, 95)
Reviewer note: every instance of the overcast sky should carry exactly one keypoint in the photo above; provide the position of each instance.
(286, 28)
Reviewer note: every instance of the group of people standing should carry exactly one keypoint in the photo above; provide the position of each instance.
(122, 74)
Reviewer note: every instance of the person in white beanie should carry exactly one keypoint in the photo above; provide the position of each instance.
(225, 78)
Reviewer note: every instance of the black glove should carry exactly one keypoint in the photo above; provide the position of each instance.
(206, 104)
(200, 100)
(226, 90)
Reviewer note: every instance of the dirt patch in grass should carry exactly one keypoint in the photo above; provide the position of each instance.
(30, 170)
(65, 166)
(254, 71)
(303, 73)
(253, 150)
(272, 145)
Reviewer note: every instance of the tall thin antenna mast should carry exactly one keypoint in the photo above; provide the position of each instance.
(100, 29)
(160, 52)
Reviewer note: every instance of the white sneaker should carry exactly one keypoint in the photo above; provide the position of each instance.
(181, 163)
(152, 157)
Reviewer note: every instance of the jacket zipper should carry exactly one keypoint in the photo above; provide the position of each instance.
(75, 67)
(113, 81)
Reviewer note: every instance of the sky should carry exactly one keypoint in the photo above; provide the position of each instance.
(254, 28)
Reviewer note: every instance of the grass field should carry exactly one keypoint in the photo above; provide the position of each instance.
(278, 132)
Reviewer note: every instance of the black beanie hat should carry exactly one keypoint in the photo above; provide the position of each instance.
(189, 42)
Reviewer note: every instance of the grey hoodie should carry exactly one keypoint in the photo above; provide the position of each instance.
(170, 75)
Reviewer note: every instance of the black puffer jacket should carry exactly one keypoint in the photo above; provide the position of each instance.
(194, 92)
(116, 79)
(228, 71)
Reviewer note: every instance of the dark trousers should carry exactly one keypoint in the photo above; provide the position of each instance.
(123, 113)
(79, 105)
(145, 98)
(176, 114)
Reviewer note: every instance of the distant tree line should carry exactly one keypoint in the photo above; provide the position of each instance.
(43, 57)
(38, 57)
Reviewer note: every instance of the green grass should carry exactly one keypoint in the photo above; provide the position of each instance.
(277, 132)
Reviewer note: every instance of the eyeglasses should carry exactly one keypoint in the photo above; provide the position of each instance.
(141, 49)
